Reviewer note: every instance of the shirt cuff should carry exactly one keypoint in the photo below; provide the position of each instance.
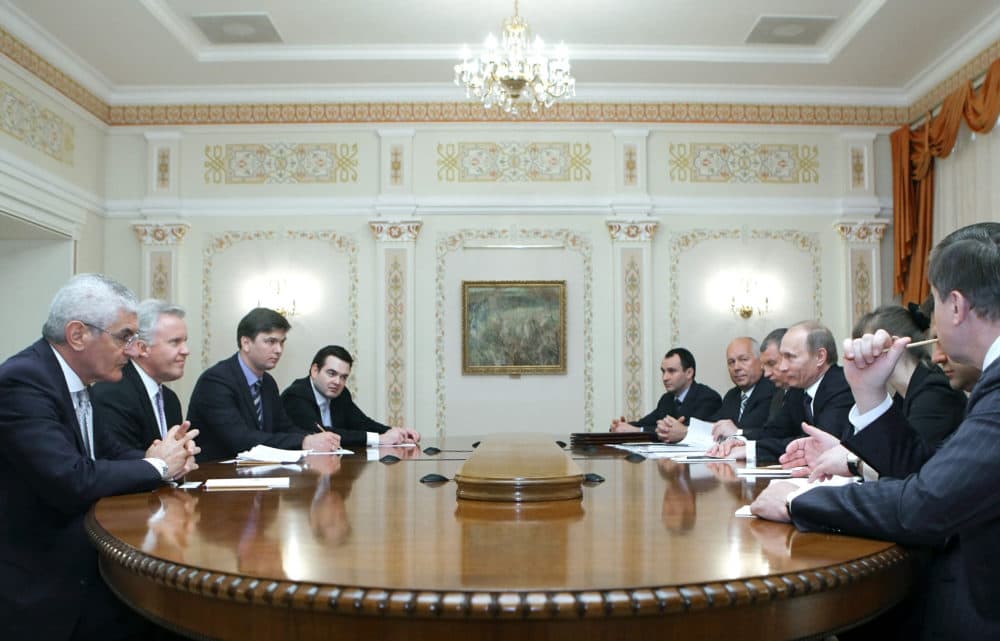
(159, 465)
(861, 421)
(371, 439)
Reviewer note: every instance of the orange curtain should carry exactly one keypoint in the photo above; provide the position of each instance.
(913, 153)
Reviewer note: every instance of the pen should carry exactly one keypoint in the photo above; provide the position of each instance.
(919, 343)
(320, 428)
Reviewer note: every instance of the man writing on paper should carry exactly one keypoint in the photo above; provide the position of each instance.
(684, 398)
(50, 587)
(322, 399)
(948, 501)
(236, 403)
(138, 409)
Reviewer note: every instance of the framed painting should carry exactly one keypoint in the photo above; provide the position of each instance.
(514, 327)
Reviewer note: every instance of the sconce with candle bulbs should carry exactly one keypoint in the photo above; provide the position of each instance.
(749, 299)
(278, 297)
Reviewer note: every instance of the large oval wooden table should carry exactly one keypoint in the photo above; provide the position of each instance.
(358, 549)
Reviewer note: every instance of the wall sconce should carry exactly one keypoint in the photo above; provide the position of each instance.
(748, 299)
(278, 297)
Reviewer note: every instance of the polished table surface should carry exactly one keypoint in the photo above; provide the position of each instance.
(358, 548)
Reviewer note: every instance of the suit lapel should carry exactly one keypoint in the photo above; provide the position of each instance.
(151, 425)
(55, 373)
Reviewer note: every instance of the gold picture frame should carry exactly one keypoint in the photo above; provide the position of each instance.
(514, 327)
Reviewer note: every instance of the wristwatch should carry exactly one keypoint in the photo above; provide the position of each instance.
(853, 464)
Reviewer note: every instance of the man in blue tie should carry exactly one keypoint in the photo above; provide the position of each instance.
(236, 403)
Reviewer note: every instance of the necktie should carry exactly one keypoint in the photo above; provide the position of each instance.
(81, 402)
(161, 416)
(744, 397)
(808, 405)
(258, 407)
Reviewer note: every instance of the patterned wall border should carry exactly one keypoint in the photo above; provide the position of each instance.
(125, 115)
(513, 161)
(632, 346)
(395, 336)
(281, 162)
(31, 123)
(863, 295)
(47, 73)
(222, 242)
(743, 162)
(573, 242)
(680, 243)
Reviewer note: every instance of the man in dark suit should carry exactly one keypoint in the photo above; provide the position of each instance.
(684, 398)
(139, 409)
(947, 499)
(322, 399)
(818, 395)
(770, 360)
(746, 406)
(50, 587)
(235, 403)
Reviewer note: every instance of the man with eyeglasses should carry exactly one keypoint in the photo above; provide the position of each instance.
(235, 403)
(50, 587)
(140, 408)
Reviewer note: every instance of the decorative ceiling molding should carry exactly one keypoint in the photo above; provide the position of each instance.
(117, 114)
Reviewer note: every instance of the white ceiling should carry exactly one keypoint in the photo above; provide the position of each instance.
(878, 52)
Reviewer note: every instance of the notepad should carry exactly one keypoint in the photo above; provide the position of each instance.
(253, 483)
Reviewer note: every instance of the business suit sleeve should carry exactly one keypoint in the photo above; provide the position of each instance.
(953, 492)
(301, 411)
(38, 444)
(890, 445)
(355, 419)
(223, 430)
(648, 422)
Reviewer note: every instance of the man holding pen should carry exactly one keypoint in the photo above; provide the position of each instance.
(322, 400)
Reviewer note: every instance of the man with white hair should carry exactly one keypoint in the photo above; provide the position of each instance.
(138, 409)
(50, 587)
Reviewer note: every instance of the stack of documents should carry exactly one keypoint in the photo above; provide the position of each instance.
(264, 454)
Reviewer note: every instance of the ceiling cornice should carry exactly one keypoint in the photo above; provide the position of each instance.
(27, 45)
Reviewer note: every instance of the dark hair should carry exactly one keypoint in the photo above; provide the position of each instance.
(893, 319)
(968, 261)
(687, 358)
(819, 336)
(331, 350)
(259, 320)
(774, 337)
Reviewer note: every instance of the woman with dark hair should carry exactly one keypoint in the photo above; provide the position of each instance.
(921, 392)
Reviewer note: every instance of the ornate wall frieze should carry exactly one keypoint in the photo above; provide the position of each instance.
(632, 352)
(743, 162)
(402, 230)
(632, 230)
(256, 164)
(161, 233)
(862, 231)
(513, 162)
(29, 122)
(395, 337)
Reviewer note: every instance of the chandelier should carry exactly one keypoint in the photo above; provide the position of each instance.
(515, 70)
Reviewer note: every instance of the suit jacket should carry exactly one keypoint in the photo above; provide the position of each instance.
(701, 402)
(952, 497)
(758, 406)
(346, 418)
(49, 582)
(831, 405)
(933, 409)
(222, 409)
(125, 422)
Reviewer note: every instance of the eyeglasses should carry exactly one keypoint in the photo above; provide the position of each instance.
(125, 338)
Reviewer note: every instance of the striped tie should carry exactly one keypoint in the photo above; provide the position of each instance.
(161, 416)
(258, 407)
(81, 402)
(744, 397)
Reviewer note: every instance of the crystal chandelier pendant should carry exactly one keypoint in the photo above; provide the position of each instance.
(516, 69)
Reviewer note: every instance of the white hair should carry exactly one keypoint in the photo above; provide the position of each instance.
(93, 299)
(149, 312)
